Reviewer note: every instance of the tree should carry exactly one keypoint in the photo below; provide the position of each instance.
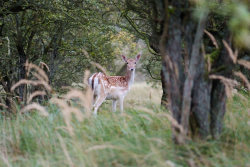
(54, 32)
(174, 29)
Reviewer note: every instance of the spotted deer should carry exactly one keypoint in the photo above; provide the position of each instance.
(113, 88)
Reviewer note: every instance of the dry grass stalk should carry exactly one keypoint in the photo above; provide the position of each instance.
(244, 63)
(35, 106)
(146, 117)
(44, 65)
(30, 82)
(70, 163)
(101, 147)
(174, 123)
(84, 99)
(41, 80)
(34, 94)
(86, 76)
(85, 53)
(170, 163)
(212, 39)
(3, 105)
(244, 79)
(97, 65)
(145, 110)
(88, 100)
(42, 73)
(37, 76)
(5, 159)
(66, 87)
(229, 83)
(232, 55)
(158, 141)
(177, 129)
(75, 94)
(124, 115)
(67, 111)
(88, 93)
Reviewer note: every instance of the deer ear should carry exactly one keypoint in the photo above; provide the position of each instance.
(124, 58)
(138, 57)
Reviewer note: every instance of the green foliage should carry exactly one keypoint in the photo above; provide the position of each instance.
(236, 13)
(213, 56)
(55, 33)
(152, 65)
(240, 26)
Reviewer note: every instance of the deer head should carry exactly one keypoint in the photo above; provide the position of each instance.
(131, 63)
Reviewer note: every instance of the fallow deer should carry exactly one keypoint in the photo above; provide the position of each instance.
(113, 88)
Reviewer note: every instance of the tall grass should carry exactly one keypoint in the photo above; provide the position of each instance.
(140, 137)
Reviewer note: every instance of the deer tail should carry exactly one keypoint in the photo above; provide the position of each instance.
(94, 81)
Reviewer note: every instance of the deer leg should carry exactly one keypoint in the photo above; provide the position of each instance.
(93, 100)
(98, 103)
(114, 105)
(121, 103)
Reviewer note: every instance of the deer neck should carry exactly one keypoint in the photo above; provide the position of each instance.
(130, 77)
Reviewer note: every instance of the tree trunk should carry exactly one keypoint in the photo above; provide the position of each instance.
(5, 82)
(21, 68)
(200, 110)
(55, 43)
(218, 94)
(164, 101)
(21, 54)
(171, 47)
(218, 108)
(196, 102)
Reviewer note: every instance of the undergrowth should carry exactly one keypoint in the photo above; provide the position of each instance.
(137, 138)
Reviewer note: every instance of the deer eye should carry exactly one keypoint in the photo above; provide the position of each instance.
(135, 62)
(127, 62)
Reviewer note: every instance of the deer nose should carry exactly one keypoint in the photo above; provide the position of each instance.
(132, 69)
